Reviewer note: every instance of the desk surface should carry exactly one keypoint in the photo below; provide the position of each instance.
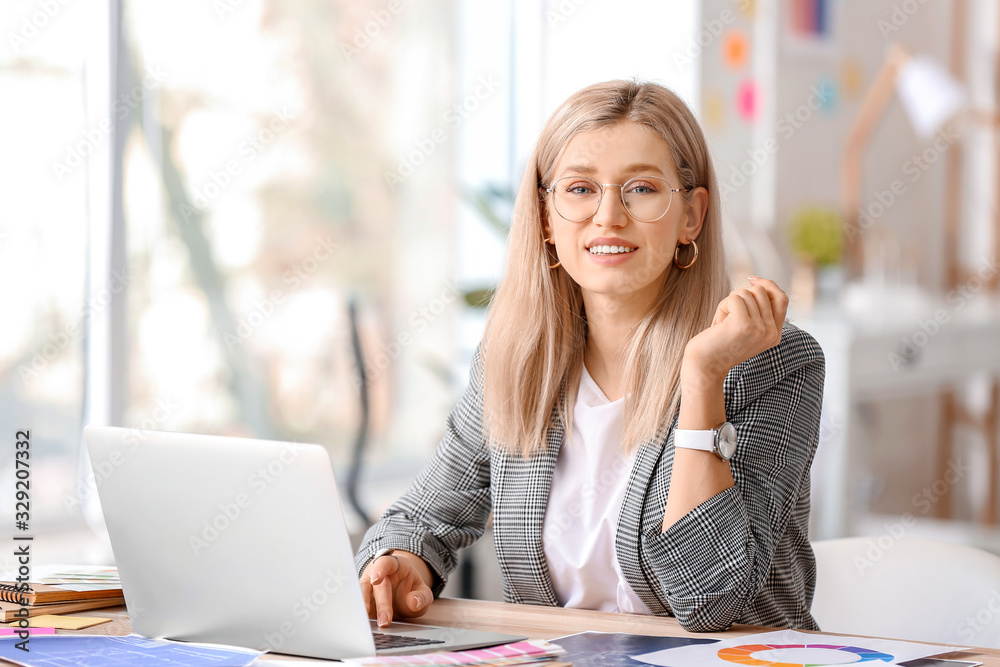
(535, 622)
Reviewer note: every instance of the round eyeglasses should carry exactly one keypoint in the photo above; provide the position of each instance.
(646, 198)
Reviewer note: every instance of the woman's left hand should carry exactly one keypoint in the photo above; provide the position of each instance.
(746, 323)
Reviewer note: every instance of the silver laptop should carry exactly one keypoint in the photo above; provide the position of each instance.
(242, 542)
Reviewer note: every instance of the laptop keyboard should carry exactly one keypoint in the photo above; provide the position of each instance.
(384, 641)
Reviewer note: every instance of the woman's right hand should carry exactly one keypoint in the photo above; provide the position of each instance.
(397, 583)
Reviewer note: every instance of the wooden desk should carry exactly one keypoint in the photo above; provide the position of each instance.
(534, 622)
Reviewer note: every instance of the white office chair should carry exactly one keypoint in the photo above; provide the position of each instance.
(914, 589)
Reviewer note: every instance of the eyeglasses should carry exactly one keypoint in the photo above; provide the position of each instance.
(646, 198)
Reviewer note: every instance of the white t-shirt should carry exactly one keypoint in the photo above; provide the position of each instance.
(588, 486)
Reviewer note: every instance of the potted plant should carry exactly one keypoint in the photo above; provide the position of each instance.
(816, 234)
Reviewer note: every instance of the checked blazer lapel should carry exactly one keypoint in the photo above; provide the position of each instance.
(642, 513)
(520, 489)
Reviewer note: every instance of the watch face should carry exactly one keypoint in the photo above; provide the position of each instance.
(727, 440)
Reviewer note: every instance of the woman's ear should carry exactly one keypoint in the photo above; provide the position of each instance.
(694, 216)
(546, 228)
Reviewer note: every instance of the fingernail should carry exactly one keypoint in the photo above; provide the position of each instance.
(753, 278)
(383, 620)
(419, 601)
(374, 577)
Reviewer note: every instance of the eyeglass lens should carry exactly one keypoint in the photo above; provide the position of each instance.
(647, 199)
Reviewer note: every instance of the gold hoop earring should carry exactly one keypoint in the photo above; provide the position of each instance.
(551, 242)
(693, 259)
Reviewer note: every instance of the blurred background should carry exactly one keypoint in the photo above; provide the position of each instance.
(283, 220)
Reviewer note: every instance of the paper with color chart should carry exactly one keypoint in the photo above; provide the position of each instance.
(130, 651)
(796, 648)
(614, 649)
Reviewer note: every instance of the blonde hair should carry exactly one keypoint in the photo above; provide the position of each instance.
(536, 331)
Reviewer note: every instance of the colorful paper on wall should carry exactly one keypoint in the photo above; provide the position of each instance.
(735, 49)
(746, 100)
(714, 110)
(809, 18)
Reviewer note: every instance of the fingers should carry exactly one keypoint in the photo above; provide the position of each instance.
(764, 305)
(762, 302)
(777, 298)
(416, 601)
(381, 584)
(757, 311)
(737, 305)
(720, 313)
(746, 323)
(749, 302)
(366, 590)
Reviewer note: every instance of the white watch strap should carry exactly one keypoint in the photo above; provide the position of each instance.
(695, 439)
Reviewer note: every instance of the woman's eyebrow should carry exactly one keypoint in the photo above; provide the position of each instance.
(642, 166)
(580, 169)
(633, 168)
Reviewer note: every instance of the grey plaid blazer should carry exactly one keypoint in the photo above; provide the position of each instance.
(742, 556)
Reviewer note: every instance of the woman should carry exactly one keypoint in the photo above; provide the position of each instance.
(596, 422)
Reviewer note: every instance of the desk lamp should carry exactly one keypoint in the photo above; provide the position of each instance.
(929, 95)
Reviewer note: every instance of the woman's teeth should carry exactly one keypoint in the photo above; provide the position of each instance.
(609, 249)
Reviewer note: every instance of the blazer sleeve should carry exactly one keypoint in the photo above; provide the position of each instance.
(715, 560)
(447, 506)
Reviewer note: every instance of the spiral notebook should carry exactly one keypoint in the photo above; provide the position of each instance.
(37, 593)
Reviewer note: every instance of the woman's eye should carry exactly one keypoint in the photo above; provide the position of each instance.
(642, 188)
(579, 189)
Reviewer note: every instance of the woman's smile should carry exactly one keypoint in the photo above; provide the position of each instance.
(610, 251)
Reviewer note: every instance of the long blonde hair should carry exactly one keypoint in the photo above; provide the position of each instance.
(537, 330)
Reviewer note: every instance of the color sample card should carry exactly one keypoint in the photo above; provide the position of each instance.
(518, 653)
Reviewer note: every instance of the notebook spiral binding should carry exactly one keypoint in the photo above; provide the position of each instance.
(14, 592)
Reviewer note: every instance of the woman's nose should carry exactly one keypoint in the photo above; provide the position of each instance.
(611, 212)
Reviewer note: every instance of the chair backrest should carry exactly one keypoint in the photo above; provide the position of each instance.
(915, 589)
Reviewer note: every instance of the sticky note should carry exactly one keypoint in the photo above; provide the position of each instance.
(735, 49)
(63, 622)
(746, 100)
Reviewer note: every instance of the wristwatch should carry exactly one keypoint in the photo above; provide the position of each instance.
(720, 440)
